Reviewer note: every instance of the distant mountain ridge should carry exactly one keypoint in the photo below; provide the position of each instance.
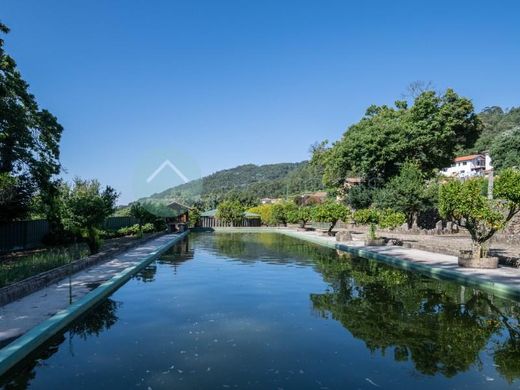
(247, 182)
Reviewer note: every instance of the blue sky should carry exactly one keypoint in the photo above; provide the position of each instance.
(234, 82)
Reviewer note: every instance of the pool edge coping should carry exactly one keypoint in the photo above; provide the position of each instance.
(501, 289)
(17, 350)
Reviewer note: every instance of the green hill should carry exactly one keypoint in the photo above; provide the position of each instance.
(496, 122)
(247, 183)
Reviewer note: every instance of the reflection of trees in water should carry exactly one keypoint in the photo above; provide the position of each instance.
(147, 274)
(100, 318)
(178, 254)
(440, 326)
(269, 247)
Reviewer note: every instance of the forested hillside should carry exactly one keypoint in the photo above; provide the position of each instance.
(247, 183)
(500, 136)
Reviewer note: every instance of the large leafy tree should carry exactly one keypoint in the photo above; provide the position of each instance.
(407, 192)
(86, 206)
(230, 211)
(29, 137)
(281, 212)
(429, 133)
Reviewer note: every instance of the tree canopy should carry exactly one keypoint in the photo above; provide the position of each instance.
(86, 206)
(429, 133)
(230, 211)
(29, 140)
(505, 150)
(330, 212)
(407, 192)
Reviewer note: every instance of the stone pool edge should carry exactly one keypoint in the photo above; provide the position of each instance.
(14, 352)
(501, 289)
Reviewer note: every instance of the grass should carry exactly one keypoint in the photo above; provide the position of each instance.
(23, 267)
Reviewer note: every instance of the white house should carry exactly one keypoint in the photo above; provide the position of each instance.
(468, 166)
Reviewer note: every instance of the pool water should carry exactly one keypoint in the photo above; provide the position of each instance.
(266, 311)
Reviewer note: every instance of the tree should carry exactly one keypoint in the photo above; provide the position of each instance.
(505, 150)
(429, 133)
(301, 215)
(280, 212)
(385, 219)
(230, 211)
(194, 216)
(406, 192)
(265, 212)
(86, 207)
(465, 203)
(141, 213)
(330, 212)
(360, 196)
(15, 197)
(29, 137)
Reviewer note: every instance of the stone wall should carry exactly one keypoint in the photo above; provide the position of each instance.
(34, 283)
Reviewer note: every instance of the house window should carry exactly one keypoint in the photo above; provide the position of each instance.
(464, 163)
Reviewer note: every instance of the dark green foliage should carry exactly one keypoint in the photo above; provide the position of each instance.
(29, 140)
(86, 206)
(505, 149)
(440, 328)
(429, 133)
(247, 184)
(495, 121)
(407, 192)
(360, 196)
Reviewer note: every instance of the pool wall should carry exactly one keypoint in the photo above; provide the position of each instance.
(24, 345)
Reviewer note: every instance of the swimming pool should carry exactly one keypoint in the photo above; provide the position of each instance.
(264, 310)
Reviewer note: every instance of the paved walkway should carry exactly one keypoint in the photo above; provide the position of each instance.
(19, 316)
(507, 276)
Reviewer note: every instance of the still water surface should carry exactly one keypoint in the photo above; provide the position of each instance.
(268, 311)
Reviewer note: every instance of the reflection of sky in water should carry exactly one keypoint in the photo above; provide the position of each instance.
(267, 311)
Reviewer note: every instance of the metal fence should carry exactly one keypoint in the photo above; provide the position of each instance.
(20, 235)
(210, 222)
(114, 223)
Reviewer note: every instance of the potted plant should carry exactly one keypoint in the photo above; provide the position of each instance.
(465, 203)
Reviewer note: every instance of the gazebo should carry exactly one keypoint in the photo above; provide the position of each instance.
(179, 217)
